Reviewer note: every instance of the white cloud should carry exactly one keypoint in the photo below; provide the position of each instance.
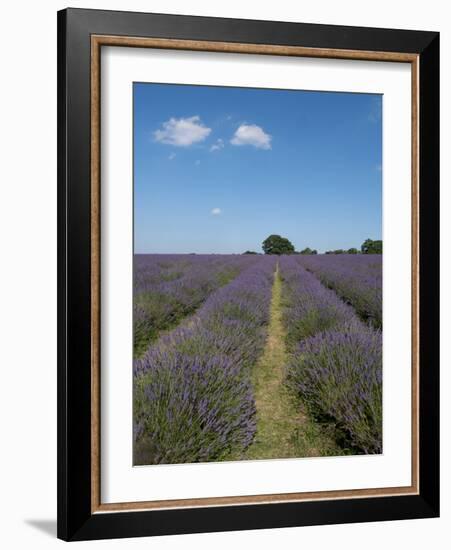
(251, 134)
(182, 132)
(216, 211)
(172, 156)
(217, 146)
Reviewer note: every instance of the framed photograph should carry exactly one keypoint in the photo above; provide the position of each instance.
(248, 274)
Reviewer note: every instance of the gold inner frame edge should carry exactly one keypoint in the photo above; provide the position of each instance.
(97, 41)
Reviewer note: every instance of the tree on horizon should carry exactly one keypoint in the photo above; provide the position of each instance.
(275, 244)
(372, 247)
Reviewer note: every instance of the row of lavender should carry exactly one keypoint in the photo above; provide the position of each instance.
(193, 397)
(167, 288)
(335, 359)
(357, 279)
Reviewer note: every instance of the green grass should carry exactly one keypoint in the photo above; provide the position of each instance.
(284, 430)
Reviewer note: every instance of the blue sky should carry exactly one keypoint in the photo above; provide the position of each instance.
(217, 170)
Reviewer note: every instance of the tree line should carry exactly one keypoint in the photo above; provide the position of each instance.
(275, 244)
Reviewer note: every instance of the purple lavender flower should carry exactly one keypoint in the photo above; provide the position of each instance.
(335, 361)
(357, 278)
(167, 288)
(193, 397)
(309, 306)
(339, 375)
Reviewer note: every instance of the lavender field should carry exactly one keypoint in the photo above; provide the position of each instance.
(240, 357)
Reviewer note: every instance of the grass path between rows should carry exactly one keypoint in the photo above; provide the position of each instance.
(283, 428)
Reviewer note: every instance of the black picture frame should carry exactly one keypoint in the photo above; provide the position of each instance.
(75, 518)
